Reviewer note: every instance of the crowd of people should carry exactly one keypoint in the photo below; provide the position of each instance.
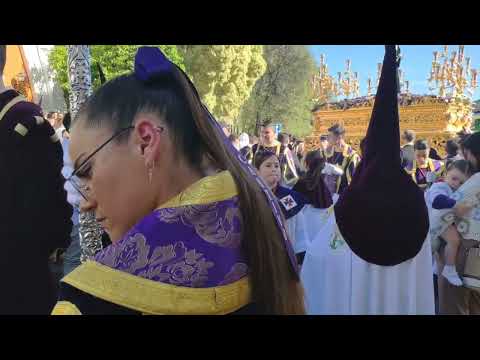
(202, 221)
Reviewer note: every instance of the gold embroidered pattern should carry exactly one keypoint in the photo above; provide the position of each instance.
(174, 263)
(209, 222)
(238, 271)
(155, 298)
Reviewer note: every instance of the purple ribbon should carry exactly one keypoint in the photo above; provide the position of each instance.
(151, 62)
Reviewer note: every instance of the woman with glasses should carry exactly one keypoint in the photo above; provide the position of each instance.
(193, 228)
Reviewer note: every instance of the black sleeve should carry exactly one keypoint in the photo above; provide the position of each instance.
(91, 305)
(42, 199)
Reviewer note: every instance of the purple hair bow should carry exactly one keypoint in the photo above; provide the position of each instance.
(150, 62)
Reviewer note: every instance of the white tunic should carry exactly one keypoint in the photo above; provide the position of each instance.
(338, 282)
(304, 226)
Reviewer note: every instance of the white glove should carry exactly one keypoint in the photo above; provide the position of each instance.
(331, 169)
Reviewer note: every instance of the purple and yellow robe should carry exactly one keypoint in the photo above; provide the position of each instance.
(184, 258)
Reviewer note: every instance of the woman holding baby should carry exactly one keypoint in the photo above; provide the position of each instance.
(464, 299)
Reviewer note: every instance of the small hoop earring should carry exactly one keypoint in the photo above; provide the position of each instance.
(150, 173)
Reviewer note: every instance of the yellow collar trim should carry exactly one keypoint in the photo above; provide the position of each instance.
(429, 164)
(155, 298)
(207, 190)
(274, 144)
(65, 308)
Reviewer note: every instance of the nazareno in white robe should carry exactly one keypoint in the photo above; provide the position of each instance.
(338, 282)
(304, 227)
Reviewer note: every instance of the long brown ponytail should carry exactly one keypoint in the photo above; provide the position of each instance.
(275, 285)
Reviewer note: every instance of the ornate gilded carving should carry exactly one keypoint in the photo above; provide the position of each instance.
(432, 118)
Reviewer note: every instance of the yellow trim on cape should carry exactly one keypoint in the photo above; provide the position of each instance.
(155, 298)
(277, 145)
(207, 190)
(21, 129)
(65, 308)
(9, 105)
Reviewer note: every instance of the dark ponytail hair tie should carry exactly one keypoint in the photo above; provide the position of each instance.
(150, 63)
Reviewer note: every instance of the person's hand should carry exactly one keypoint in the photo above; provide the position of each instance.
(462, 209)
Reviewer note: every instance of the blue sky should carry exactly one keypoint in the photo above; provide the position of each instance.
(416, 62)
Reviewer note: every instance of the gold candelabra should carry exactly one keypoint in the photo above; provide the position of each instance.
(323, 85)
(452, 75)
(348, 81)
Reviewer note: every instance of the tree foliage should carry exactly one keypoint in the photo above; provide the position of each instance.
(224, 75)
(283, 94)
(115, 60)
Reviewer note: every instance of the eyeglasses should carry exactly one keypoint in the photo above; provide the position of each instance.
(79, 185)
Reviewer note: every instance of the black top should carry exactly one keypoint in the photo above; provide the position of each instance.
(35, 215)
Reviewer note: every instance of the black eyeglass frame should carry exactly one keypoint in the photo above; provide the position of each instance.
(71, 180)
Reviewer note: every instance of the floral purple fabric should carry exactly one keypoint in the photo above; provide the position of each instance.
(192, 246)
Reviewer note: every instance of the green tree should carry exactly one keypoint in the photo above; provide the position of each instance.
(115, 60)
(224, 75)
(283, 94)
